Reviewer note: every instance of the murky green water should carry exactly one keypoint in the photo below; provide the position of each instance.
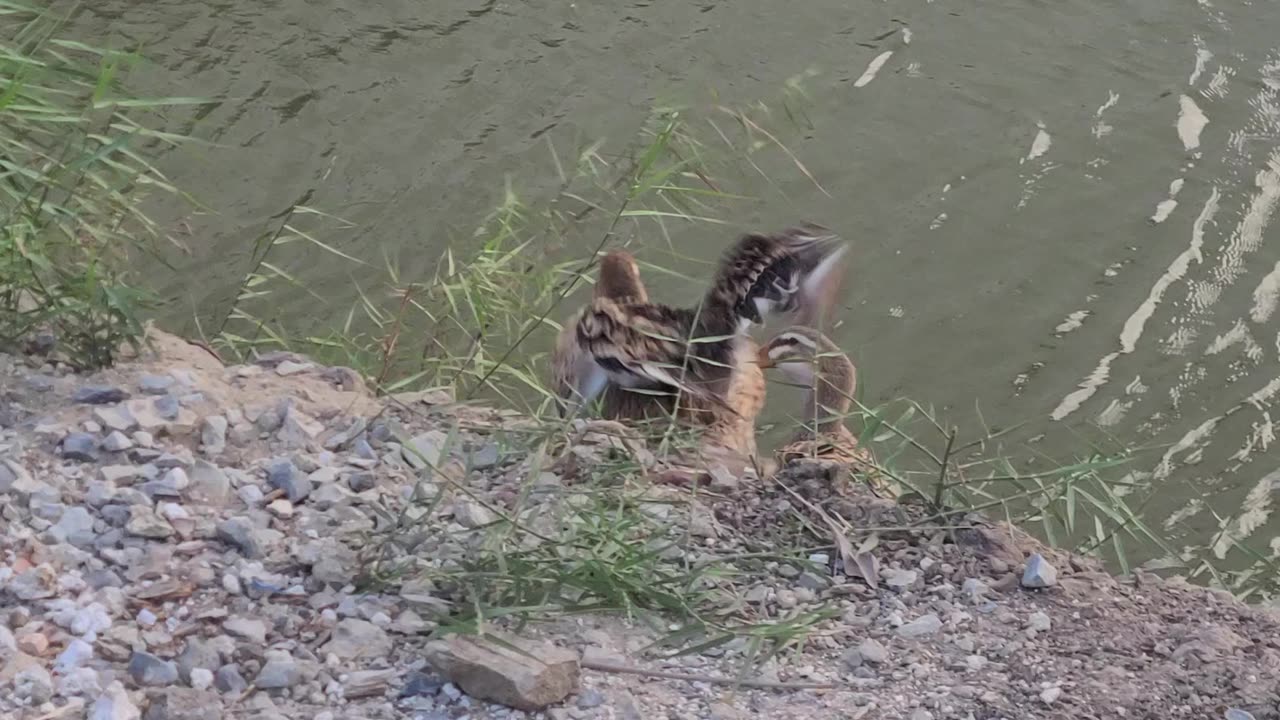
(1062, 211)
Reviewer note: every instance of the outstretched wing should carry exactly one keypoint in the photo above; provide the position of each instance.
(796, 270)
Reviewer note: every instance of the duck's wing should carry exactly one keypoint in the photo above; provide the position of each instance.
(575, 377)
(796, 270)
(645, 347)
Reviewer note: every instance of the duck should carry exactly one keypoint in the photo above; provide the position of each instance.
(809, 359)
(618, 280)
(703, 355)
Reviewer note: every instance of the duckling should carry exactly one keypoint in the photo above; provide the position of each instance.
(811, 360)
(704, 355)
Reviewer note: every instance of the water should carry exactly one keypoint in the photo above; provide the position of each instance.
(1061, 213)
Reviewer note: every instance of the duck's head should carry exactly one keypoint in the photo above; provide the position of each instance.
(619, 278)
(803, 353)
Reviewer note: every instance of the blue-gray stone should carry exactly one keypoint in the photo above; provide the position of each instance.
(420, 683)
(155, 384)
(80, 446)
(1039, 573)
(148, 670)
(227, 679)
(282, 474)
(363, 449)
(99, 395)
(166, 407)
(40, 383)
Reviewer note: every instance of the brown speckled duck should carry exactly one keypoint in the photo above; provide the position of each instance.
(655, 353)
(811, 360)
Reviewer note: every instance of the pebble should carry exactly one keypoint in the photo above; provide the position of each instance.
(213, 434)
(1050, 695)
(920, 627)
(279, 671)
(1039, 622)
(201, 679)
(80, 446)
(148, 670)
(228, 679)
(116, 417)
(98, 395)
(1039, 573)
(154, 384)
(114, 704)
(255, 631)
(116, 442)
(872, 651)
(283, 475)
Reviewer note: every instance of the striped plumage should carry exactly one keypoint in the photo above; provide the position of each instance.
(811, 360)
(655, 352)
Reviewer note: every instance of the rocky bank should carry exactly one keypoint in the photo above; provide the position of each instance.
(184, 540)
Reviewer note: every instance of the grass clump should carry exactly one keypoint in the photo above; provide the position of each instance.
(73, 178)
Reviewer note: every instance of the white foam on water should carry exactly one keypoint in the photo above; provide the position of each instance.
(1248, 235)
(906, 36)
(1041, 144)
(1203, 56)
(1113, 413)
(1136, 387)
(1192, 437)
(1238, 335)
(1086, 389)
(938, 221)
(1191, 122)
(1102, 129)
(1072, 322)
(1133, 327)
(1166, 207)
(1218, 84)
(873, 67)
(1266, 296)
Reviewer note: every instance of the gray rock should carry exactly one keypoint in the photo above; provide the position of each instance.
(279, 671)
(1039, 573)
(227, 679)
(8, 476)
(80, 446)
(117, 442)
(197, 654)
(471, 514)
(150, 671)
(343, 437)
(590, 698)
(921, 626)
(298, 429)
(254, 542)
(282, 474)
(154, 384)
(364, 450)
(209, 484)
(362, 481)
(250, 629)
(354, 638)
(144, 522)
(115, 417)
(872, 651)
(201, 679)
(1238, 714)
(184, 704)
(40, 383)
(114, 704)
(424, 449)
(98, 395)
(1039, 622)
(213, 434)
(75, 526)
(419, 683)
(899, 579)
(539, 675)
(486, 457)
(289, 367)
(166, 407)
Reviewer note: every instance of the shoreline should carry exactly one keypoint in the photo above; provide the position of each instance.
(201, 534)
